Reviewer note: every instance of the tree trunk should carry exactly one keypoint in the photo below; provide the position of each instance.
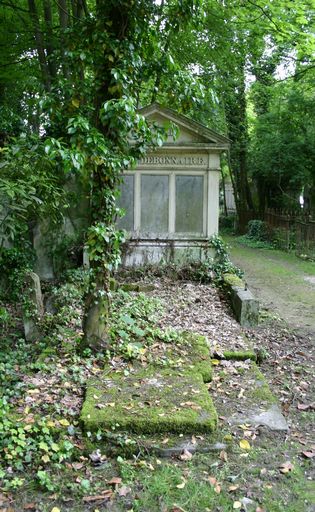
(50, 47)
(64, 23)
(95, 321)
(40, 45)
(235, 111)
(114, 17)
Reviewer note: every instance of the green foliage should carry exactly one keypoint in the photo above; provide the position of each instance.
(67, 252)
(282, 147)
(30, 188)
(227, 223)
(258, 230)
(133, 324)
(22, 443)
(4, 316)
(14, 262)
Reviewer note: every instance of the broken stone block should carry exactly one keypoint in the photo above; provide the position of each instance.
(33, 309)
(271, 418)
(245, 306)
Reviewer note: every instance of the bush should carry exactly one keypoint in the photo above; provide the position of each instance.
(258, 230)
(13, 265)
(227, 223)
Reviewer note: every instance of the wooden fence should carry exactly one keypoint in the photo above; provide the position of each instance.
(291, 229)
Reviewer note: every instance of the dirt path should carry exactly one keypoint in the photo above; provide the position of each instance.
(283, 283)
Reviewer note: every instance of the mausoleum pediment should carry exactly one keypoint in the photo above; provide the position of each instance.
(191, 133)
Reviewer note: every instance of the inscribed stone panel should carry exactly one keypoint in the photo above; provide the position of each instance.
(126, 201)
(154, 203)
(189, 204)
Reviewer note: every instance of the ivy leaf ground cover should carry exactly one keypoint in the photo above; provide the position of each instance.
(47, 461)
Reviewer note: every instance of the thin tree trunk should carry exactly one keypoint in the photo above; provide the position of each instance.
(39, 45)
(64, 23)
(50, 38)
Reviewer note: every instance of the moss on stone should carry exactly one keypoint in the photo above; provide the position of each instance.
(194, 353)
(241, 355)
(148, 402)
(232, 280)
(261, 390)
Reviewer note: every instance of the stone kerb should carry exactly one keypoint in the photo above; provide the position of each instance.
(245, 306)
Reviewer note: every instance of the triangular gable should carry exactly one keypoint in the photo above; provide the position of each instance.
(190, 131)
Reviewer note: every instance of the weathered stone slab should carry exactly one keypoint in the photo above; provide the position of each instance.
(149, 401)
(271, 418)
(34, 307)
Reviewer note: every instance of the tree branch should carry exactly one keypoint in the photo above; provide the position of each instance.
(15, 7)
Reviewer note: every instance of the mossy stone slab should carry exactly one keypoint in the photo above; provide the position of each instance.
(149, 401)
(190, 352)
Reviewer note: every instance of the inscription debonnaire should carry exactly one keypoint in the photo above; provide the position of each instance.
(173, 160)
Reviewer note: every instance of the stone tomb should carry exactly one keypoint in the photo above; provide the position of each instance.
(171, 199)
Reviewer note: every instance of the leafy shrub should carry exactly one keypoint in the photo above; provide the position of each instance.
(258, 230)
(226, 223)
(14, 262)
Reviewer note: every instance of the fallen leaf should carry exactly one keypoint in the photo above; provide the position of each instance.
(115, 481)
(233, 488)
(309, 455)
(106, 495)
(55, 509)
(124, 490)
(286, 467)
(177, 508)
(237, 505)
(77, 465)
(212, 480)
(64, 423)
(304, 407)
(241, 393)
(244, 444)
(217, 489)
(166, 440)
(185, 455)
(96, 456)
(223, 455)
(29, 506)
(182, 485)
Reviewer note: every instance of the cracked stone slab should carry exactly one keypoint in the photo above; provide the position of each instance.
(271, 418)
(149, 401)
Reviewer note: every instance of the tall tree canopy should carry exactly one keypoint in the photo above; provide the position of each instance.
(74, 72)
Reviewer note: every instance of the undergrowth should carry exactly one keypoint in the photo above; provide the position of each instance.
(211, 270)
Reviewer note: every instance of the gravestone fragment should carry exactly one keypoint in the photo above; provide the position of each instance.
(245, 306)
(33, 307)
